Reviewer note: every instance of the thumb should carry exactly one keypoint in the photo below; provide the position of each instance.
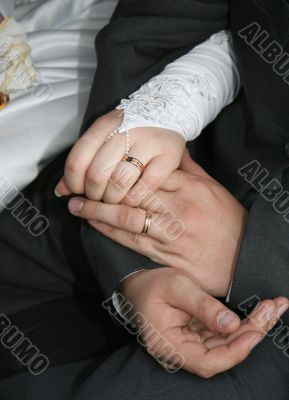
(186, 295)
(189, 165)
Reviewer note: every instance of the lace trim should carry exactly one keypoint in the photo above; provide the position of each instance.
(16, 71)
(166, 101)
(221, 37)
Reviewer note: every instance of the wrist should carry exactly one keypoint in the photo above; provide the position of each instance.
(130, 285)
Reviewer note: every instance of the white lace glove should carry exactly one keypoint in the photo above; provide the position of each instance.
(189, 93)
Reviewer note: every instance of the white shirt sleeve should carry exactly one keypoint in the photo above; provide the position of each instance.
(189, 93)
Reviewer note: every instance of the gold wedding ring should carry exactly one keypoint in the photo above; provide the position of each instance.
(137, 163)
(147, 223)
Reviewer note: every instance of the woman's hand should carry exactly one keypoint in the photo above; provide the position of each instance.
(95, 168)
(196, 226)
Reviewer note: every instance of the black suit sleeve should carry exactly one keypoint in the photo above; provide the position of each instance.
(263, 266)
(141, 39)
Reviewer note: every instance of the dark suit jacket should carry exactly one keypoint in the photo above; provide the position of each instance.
(141, 39)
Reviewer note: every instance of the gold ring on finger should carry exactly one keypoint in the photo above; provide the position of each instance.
(147, 223)
(137, 163)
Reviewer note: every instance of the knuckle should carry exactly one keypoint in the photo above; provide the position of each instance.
(186, 208)
(153, 182)
(205, 304)
(134, 237)
(122, 179)
(102, 121)
(94, 178)
(72, 165)
(127, 218)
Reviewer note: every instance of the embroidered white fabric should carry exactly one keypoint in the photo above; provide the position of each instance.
(189, 93)
(45, 118)
(16, 70)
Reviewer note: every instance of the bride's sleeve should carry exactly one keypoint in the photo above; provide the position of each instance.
(190, 92)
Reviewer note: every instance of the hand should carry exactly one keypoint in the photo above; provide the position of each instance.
(95, 167)
(167, 299)
(204, 230)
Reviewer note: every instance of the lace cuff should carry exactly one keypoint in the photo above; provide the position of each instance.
(189, 93)
(166, 102)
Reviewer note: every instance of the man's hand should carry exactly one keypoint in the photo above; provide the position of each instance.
(169, 298)
(215, 341)
(197, 225)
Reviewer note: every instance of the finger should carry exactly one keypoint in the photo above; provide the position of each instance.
(84, 151)
(154, 202)
(224, 357)
(165, 219)
(262, 319)
(266, 315)
(185, 294)
(155, 174)
(126, 219)
(141, 197)
(140, 244)
(102, 167)
(61, 189)
(125, 176)
(189, 165)
(159, 202)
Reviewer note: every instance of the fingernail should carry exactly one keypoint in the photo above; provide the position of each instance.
(282, 309)
(57, 194)
(255, 342)
(226, 318)
(75, 205)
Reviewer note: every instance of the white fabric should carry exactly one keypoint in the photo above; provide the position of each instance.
(189, 93)
(6, 7)
(37, 125)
